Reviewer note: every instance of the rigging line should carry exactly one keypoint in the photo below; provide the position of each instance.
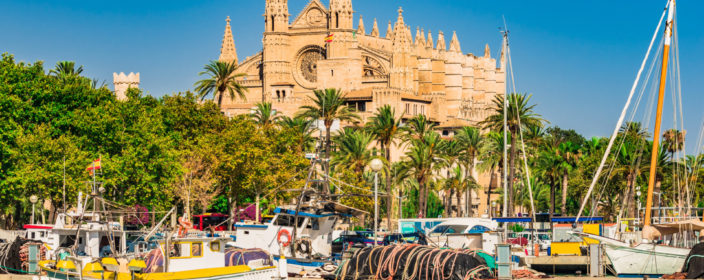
(618, 124)
(520, 133)
(678, 90)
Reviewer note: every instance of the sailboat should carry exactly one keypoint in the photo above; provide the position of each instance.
(647, 257)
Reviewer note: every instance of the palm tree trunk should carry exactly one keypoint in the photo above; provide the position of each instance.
(220, 94)
(511, 174)
(326, 164)
(447, 201)
(492, 180)
(565, 179)
(423, 198)
(469, 196)
(389, 192)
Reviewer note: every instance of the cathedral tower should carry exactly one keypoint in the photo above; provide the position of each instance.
(343, 63)
(276, 66)
(401, 68)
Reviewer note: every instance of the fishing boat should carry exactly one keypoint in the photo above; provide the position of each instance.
(303, 237)
(653, 255)
(87, 232)
(187, 258)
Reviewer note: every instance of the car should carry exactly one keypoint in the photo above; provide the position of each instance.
(358, 239)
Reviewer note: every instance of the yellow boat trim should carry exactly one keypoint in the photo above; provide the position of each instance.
(189, 274)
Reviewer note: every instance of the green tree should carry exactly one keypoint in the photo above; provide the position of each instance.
(470, 139)
(328, 106)
(221, 79)
(386, 128)
(519, 115)
(302, 130)
(265, 116)
(352, 150)
(423, 160)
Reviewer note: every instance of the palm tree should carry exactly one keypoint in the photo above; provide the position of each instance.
(519, 115)
(452, 152)
(221, 78)
(569, 154)
(491, 150)
(385, 127)
(352, 150)
(417, 128)
(328, 106)
(303, 128)
(66, 69)
(470, 139)
(551, 171)
(265, 116)
(673, 141)
(423, 159)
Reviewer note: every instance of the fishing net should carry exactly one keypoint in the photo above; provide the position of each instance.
(14, 256)
(694, 263)
(255, 257)
(413, 261)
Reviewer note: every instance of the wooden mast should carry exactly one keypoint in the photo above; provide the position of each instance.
(658, 115)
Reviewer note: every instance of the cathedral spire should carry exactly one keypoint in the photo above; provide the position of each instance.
(228, 52)
(455, 43)
(420, 41)
(375, 29)
(487, 52)
(429, 42)
(360, 27)
(441, 42)
(389, 32)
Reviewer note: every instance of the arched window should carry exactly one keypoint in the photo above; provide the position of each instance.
(337, 20)
(278, 95)
(272, 23)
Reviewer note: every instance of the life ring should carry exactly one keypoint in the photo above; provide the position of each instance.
(184, 225)
(283, 232)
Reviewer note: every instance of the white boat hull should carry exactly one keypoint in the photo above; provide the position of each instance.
(642, 259)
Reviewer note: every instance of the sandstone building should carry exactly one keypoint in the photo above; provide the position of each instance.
(322, 48)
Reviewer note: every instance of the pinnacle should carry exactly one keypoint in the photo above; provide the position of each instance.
(228, 52)
(455, 43)
(487, 52)
(360, 27)
(375, 29)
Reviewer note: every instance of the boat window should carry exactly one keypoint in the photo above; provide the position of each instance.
(447, 229)
(287, 220)
(215, 246)
(33, 235)
(478, 229)
(196, 249)
(313, 224)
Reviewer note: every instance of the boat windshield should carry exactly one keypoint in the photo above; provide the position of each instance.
(448, 229)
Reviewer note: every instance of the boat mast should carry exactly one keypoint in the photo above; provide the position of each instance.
(505, 159)
(658, 113)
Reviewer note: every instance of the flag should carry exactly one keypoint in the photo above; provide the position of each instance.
(328, 39)
(95, 165)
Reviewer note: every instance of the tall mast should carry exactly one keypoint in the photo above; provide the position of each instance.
(658, 113)
(505, 159)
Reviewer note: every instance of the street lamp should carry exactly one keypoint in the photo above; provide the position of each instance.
(33, 199)
(376, 165)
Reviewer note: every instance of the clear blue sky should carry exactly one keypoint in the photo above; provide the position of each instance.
(577, 58)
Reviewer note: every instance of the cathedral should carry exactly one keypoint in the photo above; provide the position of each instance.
(321, 48)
